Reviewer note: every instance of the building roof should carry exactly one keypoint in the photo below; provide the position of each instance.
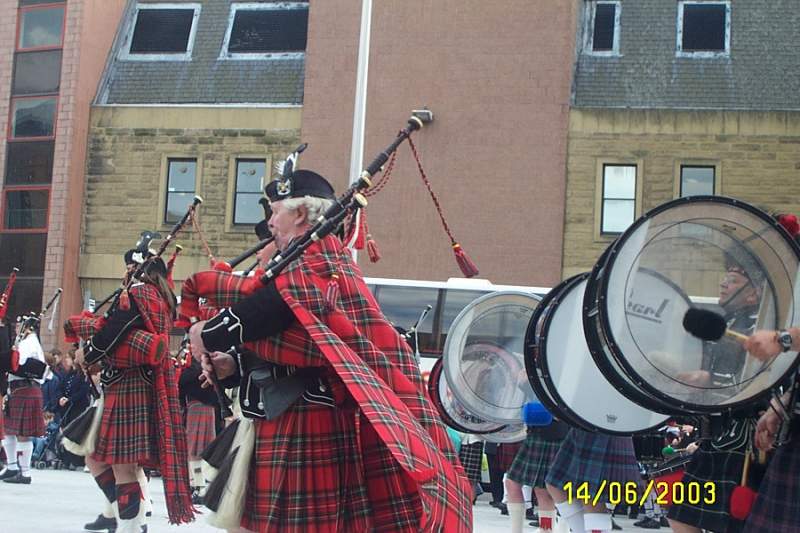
(205, 77)
(757, 73)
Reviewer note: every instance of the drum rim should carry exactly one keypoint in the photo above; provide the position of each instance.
(460, 395)
(491, 437)
(602, 353)
(433, 391)
(570, 285)
(604, 323)
(538, 385)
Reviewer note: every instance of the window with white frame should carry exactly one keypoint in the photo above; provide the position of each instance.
(697, 180)
(602, 32)
(266, 30)
(249, 181)
(162, 32)
(619, 198)
(704, 28)
(181, 183)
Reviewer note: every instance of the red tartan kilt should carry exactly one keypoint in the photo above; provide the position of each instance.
(25, 416)
(200, 427)
(127, 429)
(310, 474)
(506, 453)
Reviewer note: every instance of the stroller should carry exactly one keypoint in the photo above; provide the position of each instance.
(47, 449)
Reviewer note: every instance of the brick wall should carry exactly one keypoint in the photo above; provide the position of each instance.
(757, 154)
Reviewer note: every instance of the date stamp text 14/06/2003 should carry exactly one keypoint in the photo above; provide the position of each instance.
(630, 493)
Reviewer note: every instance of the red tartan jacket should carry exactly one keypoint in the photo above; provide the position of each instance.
(376, 366)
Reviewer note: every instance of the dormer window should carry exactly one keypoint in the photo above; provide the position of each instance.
(266, 30)
(602, 32)
(704, 29)
(162, 32)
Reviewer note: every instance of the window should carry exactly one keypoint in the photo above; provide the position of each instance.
(163, 32)
(24, 3)
(181, 179)
(266, 30)
(37, 73)
(29, 163)
(40, 27)
(697, 180)
(602, 35)
(25, 209)
(249, 181)
(33, 117)
(25, 251)
(619, 198)
(703, 29)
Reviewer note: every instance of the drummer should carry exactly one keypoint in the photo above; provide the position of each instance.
(776, 507)
(721, 460)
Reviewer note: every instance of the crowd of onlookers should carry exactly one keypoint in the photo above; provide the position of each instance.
(65, 393)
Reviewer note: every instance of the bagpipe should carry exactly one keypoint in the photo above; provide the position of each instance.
(8, 357)
(27, 349)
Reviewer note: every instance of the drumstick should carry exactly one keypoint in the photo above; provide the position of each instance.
(708, 325)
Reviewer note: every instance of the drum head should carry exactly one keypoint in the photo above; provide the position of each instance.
(532, 354)
(573, 377)
(483, 356)
(451, 410)
(711, 252)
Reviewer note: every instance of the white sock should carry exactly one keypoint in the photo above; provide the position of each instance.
(526, 494)
(108, 510)
(10, 446)
(516, 511)
(572, 514)
(544, 515)
(196, 474)
(147, 503)
(25, 453)
(597, 522)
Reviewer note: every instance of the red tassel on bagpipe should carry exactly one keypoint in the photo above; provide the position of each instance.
(124, 303)
(372, 249)
(790, 224)
(222, 266)
(7, 293)
(332, 292)
(466, 265)
(171, 266)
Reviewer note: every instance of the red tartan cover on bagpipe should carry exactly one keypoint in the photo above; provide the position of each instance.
(376, 366)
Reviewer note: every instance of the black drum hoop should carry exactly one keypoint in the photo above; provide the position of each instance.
(602, 279)
(597, 341)
(532, 352)
(433, 392)
(568, 286)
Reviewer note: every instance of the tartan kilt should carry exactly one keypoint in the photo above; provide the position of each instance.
(200, 426)
(25, 415)
(471, 457)
(724, 469)
(593, 458)
(506, 453)
(533, 460)
(777, 508)
(128, 432)
(322, 469)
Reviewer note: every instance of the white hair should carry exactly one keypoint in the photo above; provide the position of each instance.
(315, 207)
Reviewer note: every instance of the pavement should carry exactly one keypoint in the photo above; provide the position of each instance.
(61, 501)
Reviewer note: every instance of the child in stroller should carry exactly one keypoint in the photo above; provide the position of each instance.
(46, 447)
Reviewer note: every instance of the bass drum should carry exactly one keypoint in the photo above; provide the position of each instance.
(570, 374)
(702, 251)
(483, 356)
(451, 410)
(532, 354)
(509, 434)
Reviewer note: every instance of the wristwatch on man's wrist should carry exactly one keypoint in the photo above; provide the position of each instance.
(784, 338)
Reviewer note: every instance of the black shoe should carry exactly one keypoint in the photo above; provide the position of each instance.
(197, 499)
(495, 504)
(648, 522)
(529, 514)
(102, 523)
(503, 509)
(144, 528)
(663, 521)
(8, 474)
(615, 526)
(19, 479)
